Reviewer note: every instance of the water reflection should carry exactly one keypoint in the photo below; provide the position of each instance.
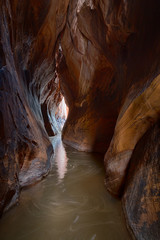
(70, 204)
(60, 157)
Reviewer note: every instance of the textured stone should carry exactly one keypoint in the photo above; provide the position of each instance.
(109, 72)
(141, 199)
(103, 46)
(28, 35)
(131, 125)
(104, 58)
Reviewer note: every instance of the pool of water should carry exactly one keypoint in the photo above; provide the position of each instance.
(70, 204)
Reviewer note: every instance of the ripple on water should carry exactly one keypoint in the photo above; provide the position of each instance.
(70, 204)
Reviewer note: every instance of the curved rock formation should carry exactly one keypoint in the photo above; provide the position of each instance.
(28, 35)
(109, 72)
(103, 46)
(104, 58)
(131, 125)
(141, 199)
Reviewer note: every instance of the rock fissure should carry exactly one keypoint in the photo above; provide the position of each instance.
(103, 58)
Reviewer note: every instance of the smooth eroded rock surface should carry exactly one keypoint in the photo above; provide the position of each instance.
(109, 57)
(28, 34)
(104, 58)
(109, 72)
(141, 199)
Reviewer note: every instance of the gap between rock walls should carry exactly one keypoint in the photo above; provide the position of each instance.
(89, 70)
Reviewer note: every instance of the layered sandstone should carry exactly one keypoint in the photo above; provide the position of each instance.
(109, 71)
(28, 35)
(104, 57)
(141, 199)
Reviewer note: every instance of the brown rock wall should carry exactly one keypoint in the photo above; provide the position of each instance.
(141, 199)
(28, 35)
(110, 57)
(104, 57)
(109, 72)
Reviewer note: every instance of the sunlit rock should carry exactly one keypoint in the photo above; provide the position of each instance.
(103, 57)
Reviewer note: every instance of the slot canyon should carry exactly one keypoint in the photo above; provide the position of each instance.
(89, 70)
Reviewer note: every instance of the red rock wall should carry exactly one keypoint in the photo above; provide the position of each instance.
(108, 64)
(109, 71)
(141, 199)
(28, 35)
(109, 58)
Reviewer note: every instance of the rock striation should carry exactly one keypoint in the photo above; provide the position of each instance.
(109, 71)
(28, 36)
(141, 199)
(104, 58)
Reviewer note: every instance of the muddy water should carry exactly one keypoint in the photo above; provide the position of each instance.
(70, 204)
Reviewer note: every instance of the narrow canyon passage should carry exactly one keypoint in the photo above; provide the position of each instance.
(91, 68)
(71, 203)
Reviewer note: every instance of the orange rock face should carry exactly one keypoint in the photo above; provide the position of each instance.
(104, 45)
(141, 199)
(104, 58)
(28, 34)
(109, 72)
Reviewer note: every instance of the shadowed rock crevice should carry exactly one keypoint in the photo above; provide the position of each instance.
(28, 35)
(103, 57)
(110, 74)
(142, 187)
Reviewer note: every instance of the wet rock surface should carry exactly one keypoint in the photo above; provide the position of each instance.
(108, 60)
(28, 33)
(104, 58)
(141, 199)
(109, 71)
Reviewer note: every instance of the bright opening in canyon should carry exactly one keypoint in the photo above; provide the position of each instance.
(61, 114)
(79, 119)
